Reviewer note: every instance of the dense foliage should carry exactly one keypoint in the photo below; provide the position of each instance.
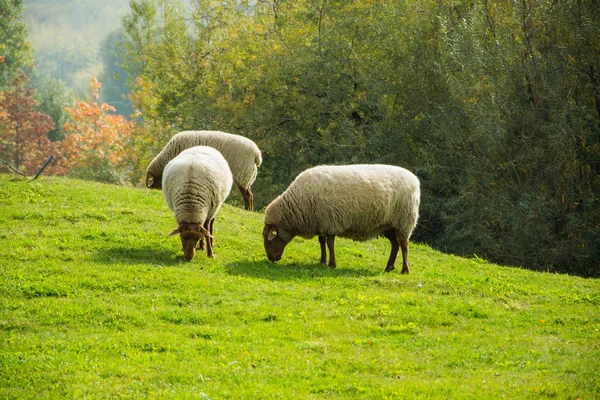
(115, 90)
(23, 130)
(96, 141)
(15, 49)
(495, 106)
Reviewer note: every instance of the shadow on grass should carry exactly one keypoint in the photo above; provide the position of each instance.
(292, 271)
(132, 255)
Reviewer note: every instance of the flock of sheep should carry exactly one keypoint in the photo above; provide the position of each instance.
(196, 170)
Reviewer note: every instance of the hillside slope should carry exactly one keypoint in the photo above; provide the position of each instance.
(97, 302)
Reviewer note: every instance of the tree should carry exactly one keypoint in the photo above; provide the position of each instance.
(97, 143)
(24, 130)
(164, 66)
(15, 49)
(114, 78)
(494, 105)
(52, 97)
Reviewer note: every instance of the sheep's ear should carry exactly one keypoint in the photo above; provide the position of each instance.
(203, 230)
(175, 232)
(149, 180)
(272, 234)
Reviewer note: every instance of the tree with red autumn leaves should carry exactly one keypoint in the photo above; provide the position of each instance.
(23, 130)
(95, 139)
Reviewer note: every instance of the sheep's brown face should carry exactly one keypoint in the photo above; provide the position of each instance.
(153, 182)
(190, 234)
(274, 244)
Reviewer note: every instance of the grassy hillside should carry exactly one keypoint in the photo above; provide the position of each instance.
(97, 302)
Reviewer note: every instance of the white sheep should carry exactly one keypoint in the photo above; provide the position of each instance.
(358, 202)
(195, 185)
(241, 153)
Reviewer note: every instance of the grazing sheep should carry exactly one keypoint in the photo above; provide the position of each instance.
(241, 153)
(358, 202)
(195, 185)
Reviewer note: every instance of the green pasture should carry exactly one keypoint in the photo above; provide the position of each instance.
(97, 302)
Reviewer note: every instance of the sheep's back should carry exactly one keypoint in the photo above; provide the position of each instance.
(196, 183)
(241, 153)
(356, 201)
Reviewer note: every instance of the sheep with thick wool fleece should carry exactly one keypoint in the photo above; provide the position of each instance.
(358, 202)
(241, 153)
(195, 184)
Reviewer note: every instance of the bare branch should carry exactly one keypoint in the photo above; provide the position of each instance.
(13, 168)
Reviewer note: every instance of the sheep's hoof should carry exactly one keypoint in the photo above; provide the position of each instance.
(213, 255)
(323, 261)
(332, 266)
(390, 268)
(404, 271)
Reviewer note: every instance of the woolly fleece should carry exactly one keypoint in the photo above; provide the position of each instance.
(196, 183)
(242, 154)
(358, 202)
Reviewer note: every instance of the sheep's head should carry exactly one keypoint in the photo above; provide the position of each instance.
(190, 234)
(153, 182)
(275, 240)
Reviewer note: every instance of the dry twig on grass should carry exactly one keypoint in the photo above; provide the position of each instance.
(22, 174)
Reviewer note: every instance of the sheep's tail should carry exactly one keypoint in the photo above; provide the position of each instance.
(411, 213)
(258, 158)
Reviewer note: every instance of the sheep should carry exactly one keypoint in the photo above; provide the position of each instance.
(359, 202)
(195, 185)
(241, 153)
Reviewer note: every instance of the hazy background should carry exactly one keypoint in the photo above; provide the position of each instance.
(67, 36)
(75, 40)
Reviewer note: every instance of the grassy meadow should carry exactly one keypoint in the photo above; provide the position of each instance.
(97, 302)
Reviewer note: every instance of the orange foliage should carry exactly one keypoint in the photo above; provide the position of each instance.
(94, 136)
(23, 130)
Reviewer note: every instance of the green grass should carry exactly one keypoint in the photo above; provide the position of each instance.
(97, 302)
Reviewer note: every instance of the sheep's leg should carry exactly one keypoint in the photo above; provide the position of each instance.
(404, 247)
(248, 198)
(323, 251)
(209, 244)
(330, 246)
(212, 239)
(200, 246)
(393, 238)
(212, 227)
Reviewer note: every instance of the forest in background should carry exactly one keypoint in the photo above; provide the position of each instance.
(67, 37)
(75, 41)
(50, 102)
(495, 105)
